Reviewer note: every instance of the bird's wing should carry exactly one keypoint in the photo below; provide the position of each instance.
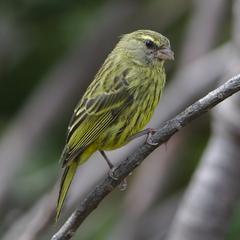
(91, 117)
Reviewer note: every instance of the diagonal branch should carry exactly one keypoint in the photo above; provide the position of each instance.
(128, 165)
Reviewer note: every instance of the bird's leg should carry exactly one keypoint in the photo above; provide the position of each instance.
(111, 166)
(149, 140)
(123, 184)
(109, 163)
(149, 132)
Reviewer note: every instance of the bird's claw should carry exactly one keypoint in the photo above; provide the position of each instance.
(123, 184)
(111, 173)
(150, 142)
(149, 137)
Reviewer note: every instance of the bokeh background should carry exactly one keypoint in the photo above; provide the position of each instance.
(50, 52)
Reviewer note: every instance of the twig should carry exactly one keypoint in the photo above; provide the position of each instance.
(128, 165)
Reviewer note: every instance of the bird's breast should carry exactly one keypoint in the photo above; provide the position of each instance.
(145, 103)
(136, 115)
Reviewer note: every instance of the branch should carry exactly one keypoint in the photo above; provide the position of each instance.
(167, 130)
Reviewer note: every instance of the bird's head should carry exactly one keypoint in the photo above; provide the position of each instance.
(146, 47)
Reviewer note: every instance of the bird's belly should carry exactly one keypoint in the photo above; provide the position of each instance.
(129, 122)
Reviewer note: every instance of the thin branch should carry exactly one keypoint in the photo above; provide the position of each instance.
(128, 165)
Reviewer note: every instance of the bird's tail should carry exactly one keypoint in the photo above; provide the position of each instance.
(66, 181)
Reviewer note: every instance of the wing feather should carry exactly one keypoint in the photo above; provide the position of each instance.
(91, 117)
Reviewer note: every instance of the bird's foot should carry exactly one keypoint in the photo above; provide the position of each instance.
(111, 173)
(123, 184)
(150, 133)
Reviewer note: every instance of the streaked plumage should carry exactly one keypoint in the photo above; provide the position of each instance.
(118, 103)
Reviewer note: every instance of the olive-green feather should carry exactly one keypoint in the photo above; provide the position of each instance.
(94, 114)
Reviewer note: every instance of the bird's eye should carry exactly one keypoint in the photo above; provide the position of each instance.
(149, 44)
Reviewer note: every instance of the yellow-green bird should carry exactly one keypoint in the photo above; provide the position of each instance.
(118, 103)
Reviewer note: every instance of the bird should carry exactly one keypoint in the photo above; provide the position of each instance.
(118, 103)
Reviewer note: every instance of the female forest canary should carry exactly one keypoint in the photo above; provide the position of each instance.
(118, 103)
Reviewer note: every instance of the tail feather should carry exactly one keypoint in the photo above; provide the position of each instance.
(66, 181)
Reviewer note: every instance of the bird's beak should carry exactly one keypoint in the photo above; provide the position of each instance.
(165, 54)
